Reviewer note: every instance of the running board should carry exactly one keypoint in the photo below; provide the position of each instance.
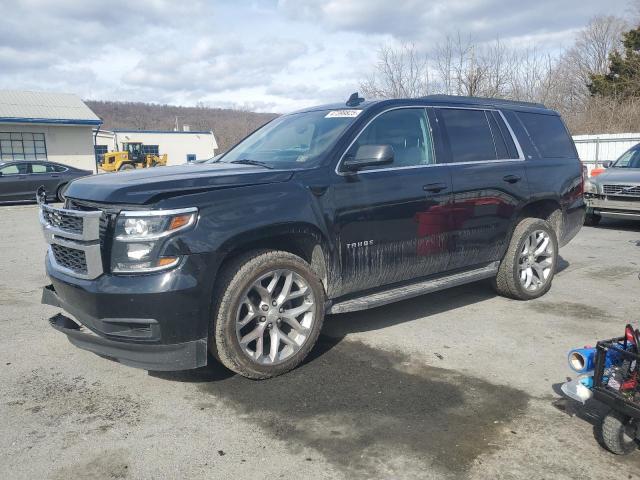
(405, 292)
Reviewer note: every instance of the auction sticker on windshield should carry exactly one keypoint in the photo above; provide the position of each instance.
(342, 114)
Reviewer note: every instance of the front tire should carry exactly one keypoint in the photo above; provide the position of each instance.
(61, 191)
(619, 433)
(528, 267)
(269, 313)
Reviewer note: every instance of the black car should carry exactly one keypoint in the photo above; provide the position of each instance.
(19, 180)
(331, 209)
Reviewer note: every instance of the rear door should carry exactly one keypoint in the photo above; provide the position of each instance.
(391, 221)
(489, 183)
(13, 182)
(45, 175)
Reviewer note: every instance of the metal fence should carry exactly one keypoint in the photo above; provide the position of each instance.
(595, 149)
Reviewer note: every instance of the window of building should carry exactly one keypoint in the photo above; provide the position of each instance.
(22, 146)
(100, 150)
(469, 134)
(191, 157)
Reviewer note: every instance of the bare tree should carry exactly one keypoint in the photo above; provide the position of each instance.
(399, 72)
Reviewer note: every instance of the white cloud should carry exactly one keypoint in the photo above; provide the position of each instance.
(278, 55)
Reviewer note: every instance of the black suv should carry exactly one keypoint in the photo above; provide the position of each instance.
(328, 210)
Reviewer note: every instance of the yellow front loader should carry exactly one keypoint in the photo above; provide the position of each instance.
(131, 157)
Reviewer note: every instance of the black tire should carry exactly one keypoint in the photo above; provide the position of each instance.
(126, 166)
(591, 219)
(507, 281)
(61, 191)
(234, 281)
(615, 433)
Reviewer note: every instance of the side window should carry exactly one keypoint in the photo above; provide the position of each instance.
(469, 134)
(548, 134)
(15, 169)
(406, 130)
(38, 168)
(9, 170)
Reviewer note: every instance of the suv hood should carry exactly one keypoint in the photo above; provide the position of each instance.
(619, 175)
(141, 186)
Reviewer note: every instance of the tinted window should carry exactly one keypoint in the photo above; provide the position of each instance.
(498, 139)
(469, 135)
(548, 134)
(406, 130)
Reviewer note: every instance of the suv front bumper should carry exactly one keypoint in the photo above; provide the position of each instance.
(155, 322)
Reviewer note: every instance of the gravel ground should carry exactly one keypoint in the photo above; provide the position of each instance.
(456, 384)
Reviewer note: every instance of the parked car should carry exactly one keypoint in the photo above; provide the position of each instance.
(19, 180)
(328, 210)
(615, 192)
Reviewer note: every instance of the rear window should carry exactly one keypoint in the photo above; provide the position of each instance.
(548, 134)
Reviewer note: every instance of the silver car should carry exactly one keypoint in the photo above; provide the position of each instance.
(615, 193)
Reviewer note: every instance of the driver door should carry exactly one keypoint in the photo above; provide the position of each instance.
(391, 220)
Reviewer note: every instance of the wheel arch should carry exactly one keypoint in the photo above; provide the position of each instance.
(301, 239)
(548, 209)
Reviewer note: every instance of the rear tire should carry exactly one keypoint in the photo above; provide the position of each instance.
(126, 166)
(257, 330)
(619, 433)
(591, 219)
(528, 266)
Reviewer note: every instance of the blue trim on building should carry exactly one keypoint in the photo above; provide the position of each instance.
(50, 121)
(199, 132)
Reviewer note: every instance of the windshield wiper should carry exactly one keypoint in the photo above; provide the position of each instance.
(247, 161)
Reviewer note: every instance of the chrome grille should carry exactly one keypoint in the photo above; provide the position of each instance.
(621, 190)
(74, 237)
(63, 221)
(70, 258)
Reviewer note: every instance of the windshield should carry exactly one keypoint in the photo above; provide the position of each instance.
(629, 159)
(292, 141)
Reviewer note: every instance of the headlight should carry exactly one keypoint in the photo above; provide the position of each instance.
(590, 187)
(140, 238)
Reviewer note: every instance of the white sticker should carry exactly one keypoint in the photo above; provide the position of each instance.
(343, 114)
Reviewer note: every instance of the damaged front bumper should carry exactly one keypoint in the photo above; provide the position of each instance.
(122, 345)
(148, 356)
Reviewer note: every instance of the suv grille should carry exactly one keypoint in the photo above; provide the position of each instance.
(70, 258)
(68, 223)
(621, 190)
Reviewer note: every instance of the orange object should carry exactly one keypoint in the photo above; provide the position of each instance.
(597, 171)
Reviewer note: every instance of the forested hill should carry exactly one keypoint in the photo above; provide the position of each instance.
(228, 125)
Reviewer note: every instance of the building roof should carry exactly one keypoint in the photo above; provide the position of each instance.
(45, 107)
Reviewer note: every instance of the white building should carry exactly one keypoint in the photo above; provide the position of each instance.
(180, 147)
(47, 126)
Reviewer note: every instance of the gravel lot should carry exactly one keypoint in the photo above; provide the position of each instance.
(456, 384)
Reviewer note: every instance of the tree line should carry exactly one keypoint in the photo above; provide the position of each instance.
(594, 84)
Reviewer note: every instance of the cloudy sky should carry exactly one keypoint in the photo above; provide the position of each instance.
(269, 55)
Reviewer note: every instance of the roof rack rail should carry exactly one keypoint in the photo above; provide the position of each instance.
(487, 100)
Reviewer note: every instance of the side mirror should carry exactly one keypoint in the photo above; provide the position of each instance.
(369, 156)
(607, 164)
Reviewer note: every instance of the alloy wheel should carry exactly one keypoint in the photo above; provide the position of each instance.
(274, 317)
(536, 260)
